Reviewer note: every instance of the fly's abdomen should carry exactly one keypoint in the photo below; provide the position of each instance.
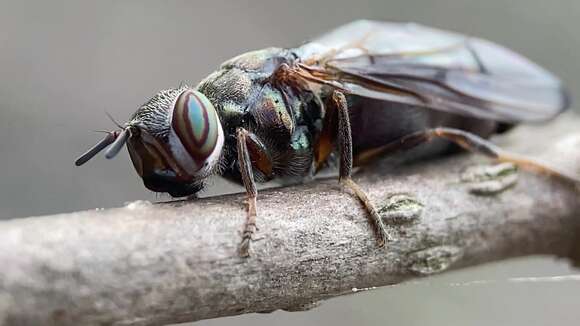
(376, 123)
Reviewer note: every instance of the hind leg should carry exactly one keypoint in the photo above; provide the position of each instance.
(472, 143)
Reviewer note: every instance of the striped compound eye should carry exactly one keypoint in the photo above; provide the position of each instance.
(197, 136)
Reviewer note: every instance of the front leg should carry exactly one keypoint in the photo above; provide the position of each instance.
(345, 148)
(245, 166)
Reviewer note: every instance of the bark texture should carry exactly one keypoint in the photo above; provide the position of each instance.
(153, 264)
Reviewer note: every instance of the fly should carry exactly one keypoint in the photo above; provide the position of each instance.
(364, 90)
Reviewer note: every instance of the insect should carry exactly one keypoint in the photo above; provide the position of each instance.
(364, 90)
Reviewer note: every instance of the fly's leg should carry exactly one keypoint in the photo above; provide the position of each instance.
(472, 143)
(345, 148)
(245, 166)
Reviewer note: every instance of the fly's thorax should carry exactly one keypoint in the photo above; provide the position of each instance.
(237, 79)
(284, 118)
(244, 93)
(236, 85)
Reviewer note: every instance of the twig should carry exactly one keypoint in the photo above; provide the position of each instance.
(152, 264)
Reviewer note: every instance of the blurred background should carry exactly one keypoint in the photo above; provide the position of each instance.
(64, 63)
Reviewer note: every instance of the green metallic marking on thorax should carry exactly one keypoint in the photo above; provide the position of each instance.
(300, 140)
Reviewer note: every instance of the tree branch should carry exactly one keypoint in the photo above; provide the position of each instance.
(152, 264)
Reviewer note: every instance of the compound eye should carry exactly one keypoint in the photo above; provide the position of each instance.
(196, 124)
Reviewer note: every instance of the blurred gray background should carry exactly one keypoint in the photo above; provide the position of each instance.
(64, 63)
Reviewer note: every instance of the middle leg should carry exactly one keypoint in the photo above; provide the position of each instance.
(345, 149)
(245, 166)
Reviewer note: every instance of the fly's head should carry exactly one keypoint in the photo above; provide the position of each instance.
(175, 141)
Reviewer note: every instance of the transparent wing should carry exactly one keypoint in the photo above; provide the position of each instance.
(418, 65)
